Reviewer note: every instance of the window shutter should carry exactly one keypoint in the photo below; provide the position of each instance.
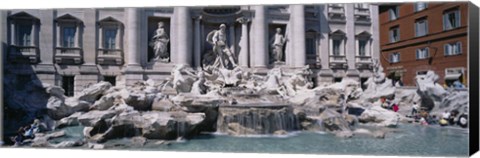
(457, 18)
(446, 24)
(459, 47)
(445, 49)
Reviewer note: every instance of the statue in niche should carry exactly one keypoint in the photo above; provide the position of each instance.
(159, 43)
(278, 41)
(221, 51)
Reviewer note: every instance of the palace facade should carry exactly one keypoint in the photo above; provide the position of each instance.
(73, 48)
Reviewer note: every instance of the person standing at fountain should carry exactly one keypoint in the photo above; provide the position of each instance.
(278, 41)
(159, 43)
(415, 108)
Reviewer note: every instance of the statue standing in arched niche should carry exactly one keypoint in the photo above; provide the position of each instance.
(218, 40)
(278, 41)
(159, 43)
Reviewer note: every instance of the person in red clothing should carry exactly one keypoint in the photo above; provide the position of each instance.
(395, 107)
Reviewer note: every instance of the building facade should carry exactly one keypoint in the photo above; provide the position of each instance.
(417, 37)
(73, 48)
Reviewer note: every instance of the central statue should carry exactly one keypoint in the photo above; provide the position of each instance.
(223, 55)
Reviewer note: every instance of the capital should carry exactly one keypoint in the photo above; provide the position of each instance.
(243, 20)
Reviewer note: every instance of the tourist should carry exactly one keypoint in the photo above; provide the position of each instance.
(415, 108)
(395, 107)
(28, 132)
(446, 115)
(443, 122)
(463, 120)
(433, 120)
(423, 121)
(18, 139)
(453, 117)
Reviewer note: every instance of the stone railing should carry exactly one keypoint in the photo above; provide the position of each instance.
(64, 55)
(362, 11)
(336, 13)
(22, 53)
(338, 61)
(363, 61)
(110, 56)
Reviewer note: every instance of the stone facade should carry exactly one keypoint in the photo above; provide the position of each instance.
(74, 48)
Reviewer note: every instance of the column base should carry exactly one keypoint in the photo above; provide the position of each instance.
(353, 74)
(324, 76)
(133, 73)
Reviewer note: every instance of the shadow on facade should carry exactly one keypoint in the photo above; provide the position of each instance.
(24, 97)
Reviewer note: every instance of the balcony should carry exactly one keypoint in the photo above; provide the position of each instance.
(26, 54)
(338, 61)
(363, 61)
(362, 11)
(336, 13)
(64, 55)
(110, 56)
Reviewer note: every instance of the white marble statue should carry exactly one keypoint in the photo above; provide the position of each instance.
(159, 43)
(278, 41)
(300, 80)
(181, 83)
(218, 39)
(199, 87)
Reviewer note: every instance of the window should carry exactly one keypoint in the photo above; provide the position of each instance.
(67, 85)
(453, 48)
(395, 57)
(422, 72)
(110, 37)
(24, 29)
(337, 79)
(421, 27)
(310, 43)
(422, 53)
(419, 6)
(24, 35)
(393, 12)
(361, 5)
(68, 38)
(111, 79)
(451, 19)
(336, 47)
(69, 30)
(394, 34)
(362, 44)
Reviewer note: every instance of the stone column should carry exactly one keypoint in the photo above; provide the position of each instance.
(89, 39)
(133, 71)
(350, 48)
(325, 75)
(184, 35)
(375, 52)
(260, 43)
(3, 42)
(298, 22)
(197, 52)
(133, 15)
(243, 55)
(89, 73)
(45, 70)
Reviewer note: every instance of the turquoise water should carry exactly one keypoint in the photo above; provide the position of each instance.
(406, 140)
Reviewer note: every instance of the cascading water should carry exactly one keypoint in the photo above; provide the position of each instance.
(256, 119)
